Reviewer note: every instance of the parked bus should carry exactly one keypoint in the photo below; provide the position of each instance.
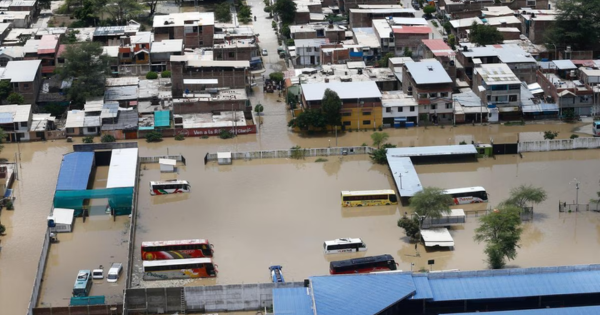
(369, 198)
(169, 187)
(363, 265)
(196, 248)
(467, 195)
(596, 128)
(83, 283)
(344, 245)
(179, 269)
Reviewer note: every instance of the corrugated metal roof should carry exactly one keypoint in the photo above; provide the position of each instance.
(75, 171)
(292, 301)
(123, 165)
(346, 294)
(121, 93)
(432, 150)
(21, 70)
(582, 310)
(6, 118)
(510, 283)
(428, 72)
(404, 174)
(345, 90)
(162, 118)
(422, 284)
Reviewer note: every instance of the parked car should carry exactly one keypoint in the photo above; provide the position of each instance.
(98, 274)
(265, 52)
(114, 272)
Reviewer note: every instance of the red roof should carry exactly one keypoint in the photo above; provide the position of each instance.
(61, 50)
(435, 44)
(585, 63)
(412, 30)
(47, 45)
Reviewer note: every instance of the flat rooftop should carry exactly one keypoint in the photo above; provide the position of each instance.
(432, 150)
(208, 120)
(404, 174)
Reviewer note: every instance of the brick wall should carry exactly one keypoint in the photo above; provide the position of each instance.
(227, 77)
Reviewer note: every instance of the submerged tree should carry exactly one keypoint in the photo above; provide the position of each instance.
(379, 156)
(501, 230)
(331, 106)
(520, 196)
(379, 138)
(431, 202)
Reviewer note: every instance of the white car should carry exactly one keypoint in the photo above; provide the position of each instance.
(114, 272)
(265, 52)
(98, 274)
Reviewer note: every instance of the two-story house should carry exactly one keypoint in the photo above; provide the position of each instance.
(25, 77)
(44, 49)
(334, 33)
(196, 29)
(193, 74)
(15, 120)
(429, 84)
(308, 51)
(135, 49)
(161, 52)
(365, 14)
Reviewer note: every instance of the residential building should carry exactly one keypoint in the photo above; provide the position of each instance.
(121, 123)
(26, 78)
(409, 37)
(196, 102)
(237, 49)
(352, 71)
(111, 35)
(44, 49)
(346, 5)
(460, 27)
(135, 49)
(230, 74)
(19, 19)
(458, 9)
(5, 29)
(439, 50)
(80, 124)
(429, 84)
(361, 102)
(571, 88)
(366, 38)
(161, 52)
(308, 11)
(308, 51)
(334, 33)
(399, 108)
(503, 21)
(522, 63)
(469, 108)
(365, 14)
(42, 127)
(9, 53)
(384, 34)
(15, 120)
(535, 23)
(53, 92)
(196, 29)
(496, 84)
(29, 6)
(510, 33)
(339, 54)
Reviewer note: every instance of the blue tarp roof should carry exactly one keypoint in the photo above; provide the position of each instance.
(292, 301)
(162, 118)
(583, 310)
(360, 294)
(75, 171)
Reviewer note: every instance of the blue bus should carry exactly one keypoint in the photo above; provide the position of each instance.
(83, 283)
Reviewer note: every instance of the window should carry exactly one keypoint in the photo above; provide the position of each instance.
(514, 87)
(316, 49)
(388, 109)
(24, 124)
(366, 122)
(423, 95)
(412, 108)
(91, 129)
(501, 99)
(400, 109)
(448, 105)
(531, 3)
(39, 134)
(433, 106)
(346, 114)
(432, 95)
(219, 56)
(231, 54)
(444, 94)
(70, 130)
(125, 55)
(347, 123)
(366, 113)
(308, 49)
(512, 98)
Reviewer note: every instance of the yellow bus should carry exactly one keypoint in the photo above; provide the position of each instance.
(369, 198)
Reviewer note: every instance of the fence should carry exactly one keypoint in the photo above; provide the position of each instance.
(572, 207)
(154, 159)
(91, 147)
(294, 153)
(37, 282)
(218, 298)
(556, 145)
(80, 310)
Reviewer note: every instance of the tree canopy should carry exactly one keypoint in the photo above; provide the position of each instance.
(331, 106)
(309, 118)
(286, 10)
(379, 156)
(431, 202)
(379, 138)
(15, 98)
(88, 66)
(501, 230)
(5, 89)
(383, 62)
(482, 35)
(429, 9)
(521, 195)
(222, 12)
(576, 24)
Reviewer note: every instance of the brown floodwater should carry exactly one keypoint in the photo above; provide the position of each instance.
(248, 221)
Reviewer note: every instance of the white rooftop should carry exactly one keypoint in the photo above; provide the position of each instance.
(495, 21)
(179, 19)
(460, 23)
(21, 70)
(507, 53)
(78, 119)
(63, 216)
(366, 36)
(497, 73)
(20, 113)
(123, 166)
(432, 150)
(497, 11)
(437, 237)
(564, 64)
(141, 38)
(167, 162)
(404, 175)
(428, 72)
(409, 21)
(345, 90)
(167, 45)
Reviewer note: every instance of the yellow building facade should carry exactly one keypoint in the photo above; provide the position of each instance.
(362, 118)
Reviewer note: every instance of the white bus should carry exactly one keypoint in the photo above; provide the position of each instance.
(344, 245)
(596, 128)
(179, 269)
(169, 187)
(467, 195)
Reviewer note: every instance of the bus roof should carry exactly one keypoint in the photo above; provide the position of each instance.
(171, 262)
(367, 192)
(83, 276)
(344, 241)
(362, 260)
(462, 190)
(169, 182)
(175, 242)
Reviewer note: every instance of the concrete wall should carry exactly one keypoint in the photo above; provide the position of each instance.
(81, 310)
(103, 146)
(557, 145)
(37, 282)
(288, 153)
(153, 300)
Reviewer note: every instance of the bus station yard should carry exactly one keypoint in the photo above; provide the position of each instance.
(267, 212)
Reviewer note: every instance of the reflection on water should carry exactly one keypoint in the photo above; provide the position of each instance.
(345, 256)
(351, 212)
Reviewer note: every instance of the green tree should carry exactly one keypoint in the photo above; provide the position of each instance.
(151, 75)
(121, 10)
(550, 135)
(286, 9)
(54, 109)
(2, 138)
(308, 118)
(5, 89)
(379, 138)
(501, 230)
(576, 25)
(431, 202)
(411, 227)
(165, 74)
(107, 138)
(258, 109)
(154, 136)
(383, 62)
(244, 13)
(407, 52)
(15, 98)
(222, 12)
(331, 106)
(482, 35)
(276, 76)
(379, 156)
(522, 195)
(89, 66)
(88, 139)
(452, 41)
(429, 10)
(226, 134)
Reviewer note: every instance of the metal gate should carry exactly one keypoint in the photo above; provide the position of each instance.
(505, 148)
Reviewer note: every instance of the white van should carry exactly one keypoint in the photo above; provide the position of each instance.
(596, 128)
(97, 274)
(114, 272)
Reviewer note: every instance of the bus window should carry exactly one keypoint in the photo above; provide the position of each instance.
(393, 198)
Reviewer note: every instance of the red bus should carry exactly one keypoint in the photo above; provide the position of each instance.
(182, 249)
(362, 265)
(179, 269)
